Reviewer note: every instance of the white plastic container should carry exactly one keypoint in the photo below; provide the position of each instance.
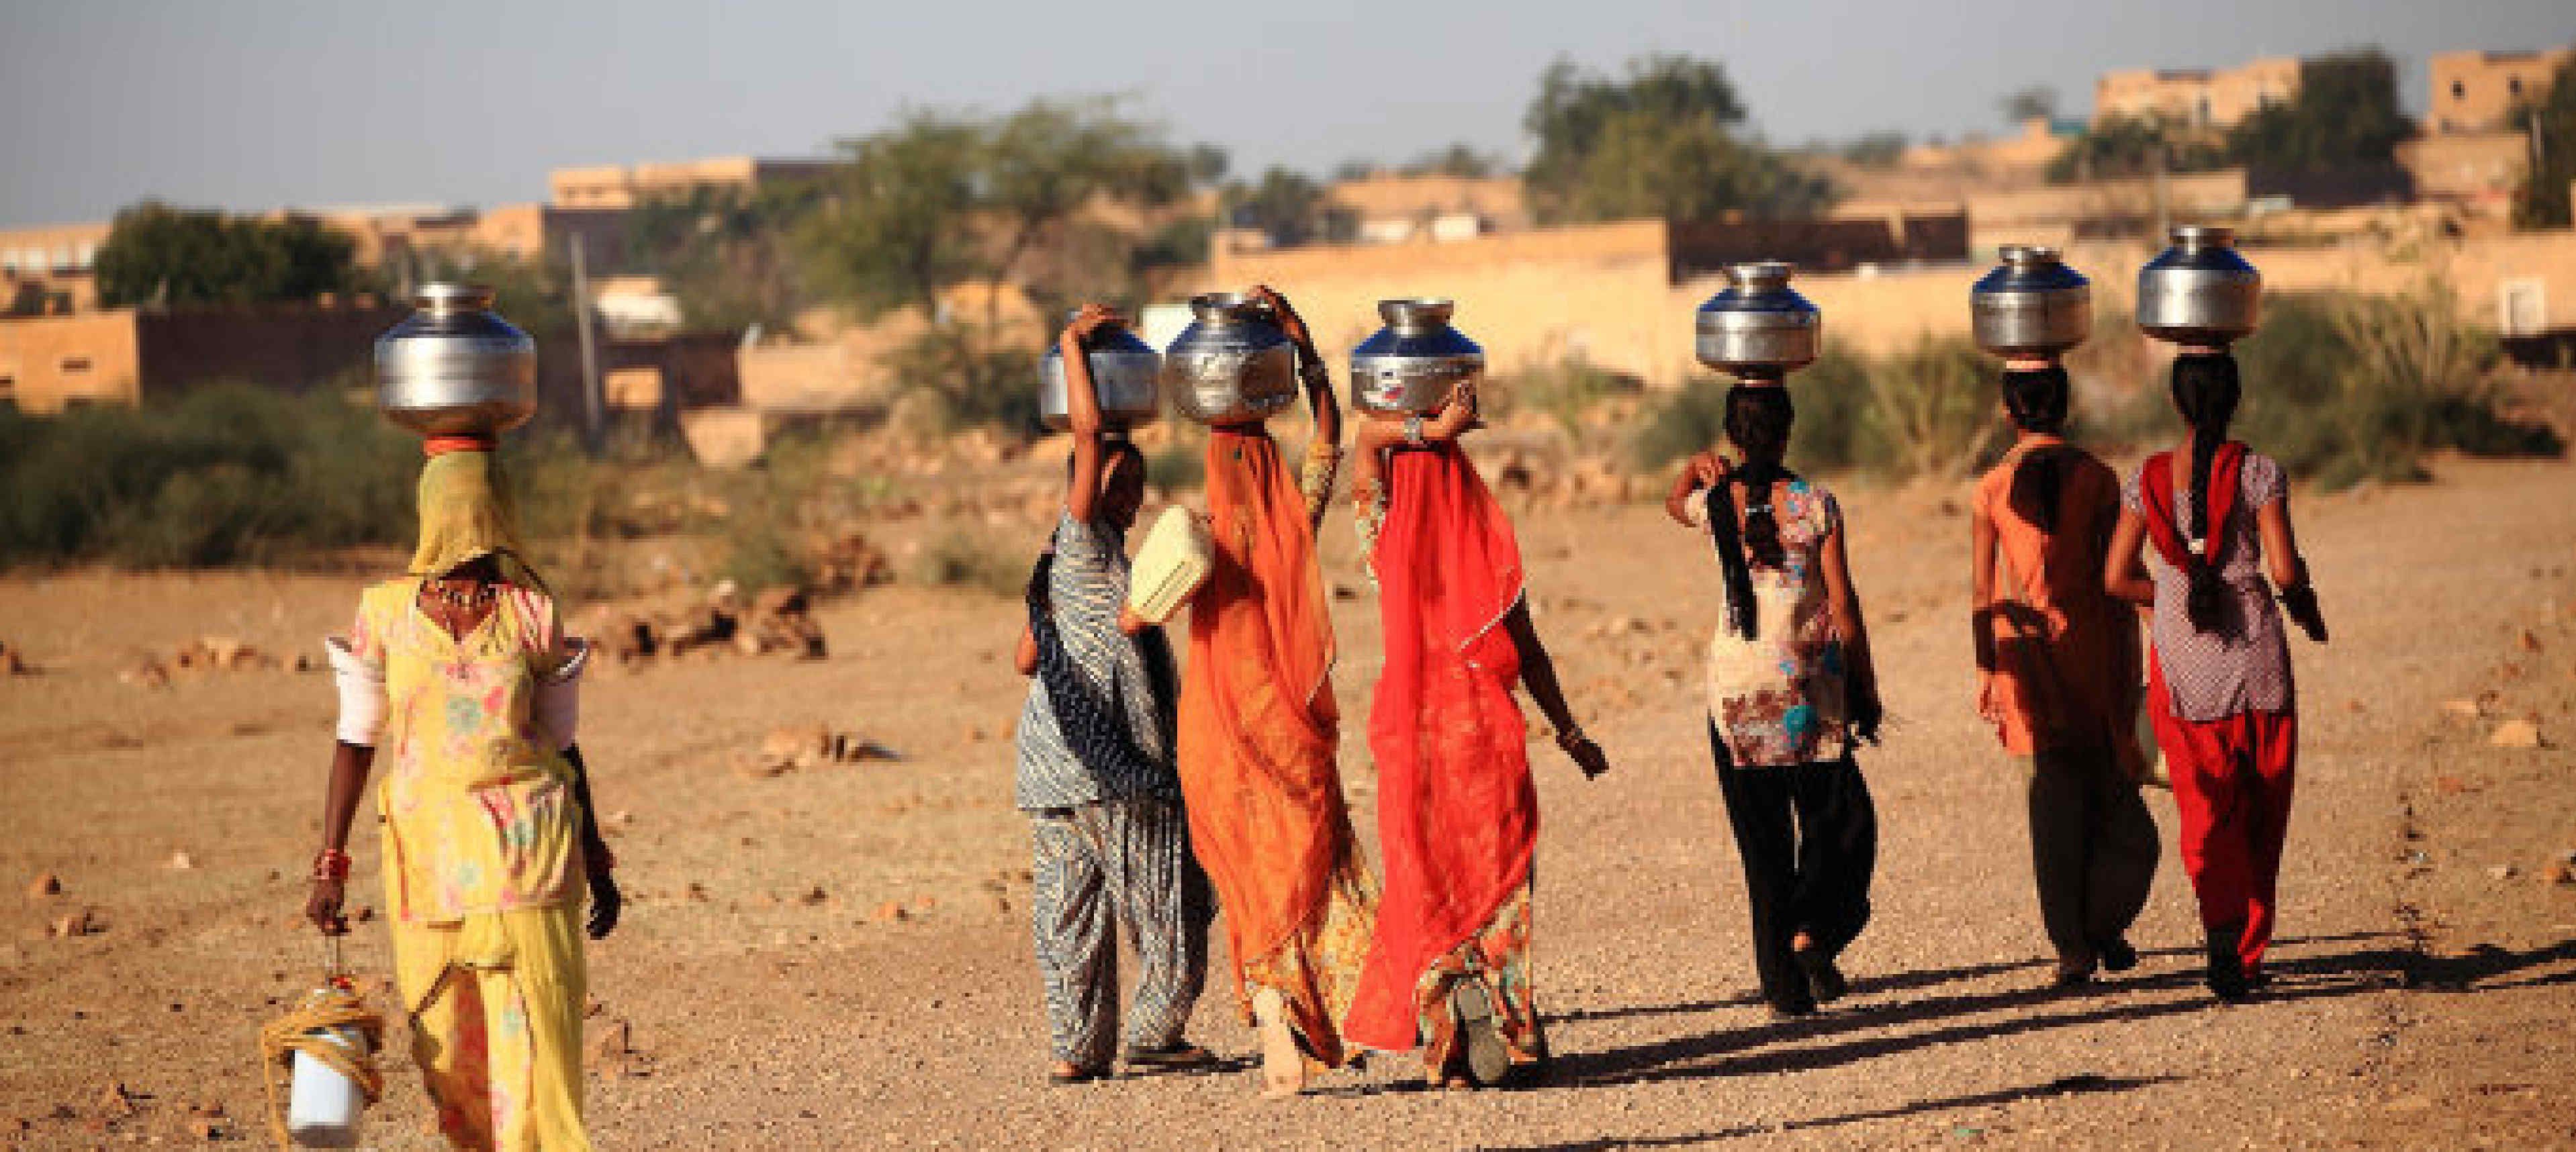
(1171, 564)
(323, 1107)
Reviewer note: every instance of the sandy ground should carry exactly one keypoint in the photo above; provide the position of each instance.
(775, 1002)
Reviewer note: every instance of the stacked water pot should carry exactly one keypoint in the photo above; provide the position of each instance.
(1410, 366)
(2199, 291)
(454, 368)
(1758, 329)
(2031, 306)
(1233, 364)
(1124, 374)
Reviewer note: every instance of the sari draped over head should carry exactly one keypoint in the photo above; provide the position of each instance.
(1258, 733)
(465, 515)
(1457, 813)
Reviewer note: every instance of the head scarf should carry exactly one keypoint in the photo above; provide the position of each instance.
(464, 516)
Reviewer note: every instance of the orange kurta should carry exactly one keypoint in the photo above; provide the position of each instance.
(2066, 664)
(1258, 732)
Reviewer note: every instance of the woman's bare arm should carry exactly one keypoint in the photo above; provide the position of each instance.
(1082, 409)
(2124, 573)
(1983, 539)
(350, 766)
(1538, 675)
(2280, 542)
(1025, 656)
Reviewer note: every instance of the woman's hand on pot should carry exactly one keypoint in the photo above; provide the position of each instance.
(1289, 321)
(322, 907)
(1092, 318)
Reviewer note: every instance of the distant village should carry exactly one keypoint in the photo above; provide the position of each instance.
(1889, 261)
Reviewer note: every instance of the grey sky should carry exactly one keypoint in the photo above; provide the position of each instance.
(261, 103)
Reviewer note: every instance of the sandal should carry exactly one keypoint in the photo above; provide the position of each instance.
(1069, 1076)
(1178, 1056)
(1488, 1060)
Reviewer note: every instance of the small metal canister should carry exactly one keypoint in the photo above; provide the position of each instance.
(454, 368)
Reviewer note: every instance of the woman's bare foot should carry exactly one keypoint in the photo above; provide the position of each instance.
(1283, 1067)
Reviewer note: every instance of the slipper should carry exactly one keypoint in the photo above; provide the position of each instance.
(1170, 1058)
(1824, 981)
(1488, 1061)
(1077, 1076)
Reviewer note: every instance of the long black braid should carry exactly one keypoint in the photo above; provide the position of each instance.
(2205, 392)
(1758, 418)
(2037, 400)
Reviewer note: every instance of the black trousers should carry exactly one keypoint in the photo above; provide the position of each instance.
(1809, 837)
(2093, 849)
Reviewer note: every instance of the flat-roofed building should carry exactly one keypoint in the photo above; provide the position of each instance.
(2478, 91)
(49, 269)
(613, 186)
(2196, 97)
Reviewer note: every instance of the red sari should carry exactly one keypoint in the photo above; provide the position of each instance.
(1457, 814)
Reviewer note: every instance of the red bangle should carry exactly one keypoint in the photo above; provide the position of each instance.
(437, 446)
(331, 864)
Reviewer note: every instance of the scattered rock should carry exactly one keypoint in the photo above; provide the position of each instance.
(181, 862)
(2528, 641)
(2516, 734)
(784, 749)
(12, 663)
(890, 912)
(2503, 872)
(117, 1100)
(611, 1044)
(45, 884)
(81, 923)
(2462, 709)
(814, 896)
(2559, 874)
(147, 673)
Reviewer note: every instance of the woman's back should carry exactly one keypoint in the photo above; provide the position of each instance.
(2065, 653)
(2242, 665)
(1777, 695)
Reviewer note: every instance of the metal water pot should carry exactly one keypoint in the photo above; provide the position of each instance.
(2199, 291)
(1759, 327)
(1233, 364)
(453, 368)
(1124, 374)
(1410, 365)
(2032, 304)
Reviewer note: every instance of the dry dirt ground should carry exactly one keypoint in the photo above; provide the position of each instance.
(776, 1001)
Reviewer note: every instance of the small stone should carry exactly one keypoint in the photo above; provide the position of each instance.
(2516, 734)
(2462, 709)
(181, 862)
(364, 914)
(2528, 641)
(2558, 874)
(117, 1100)
(45, 884)
(147, 674)
(79, 923)
(2503, 872)
(611, 1043)
(813, 896)
(890, 912)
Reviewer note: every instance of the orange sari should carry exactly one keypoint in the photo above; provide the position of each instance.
(1457, 813)
(1258, 732)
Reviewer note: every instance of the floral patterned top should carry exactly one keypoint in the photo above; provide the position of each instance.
(1777, 699)
(478, 807)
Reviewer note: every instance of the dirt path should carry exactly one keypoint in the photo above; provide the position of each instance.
(2423, 999)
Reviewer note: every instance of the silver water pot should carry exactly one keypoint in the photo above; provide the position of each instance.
(1759, 327)
(2199, 291)
(453, 368)
(1124, 374)
(1410, 365)
(1233, 364)
(2032, 304)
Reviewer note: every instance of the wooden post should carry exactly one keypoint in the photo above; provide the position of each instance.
(593, 405)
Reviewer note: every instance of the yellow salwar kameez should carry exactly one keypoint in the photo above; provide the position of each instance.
(483, 867)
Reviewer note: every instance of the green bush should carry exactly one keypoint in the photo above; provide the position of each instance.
(226, 475)
(978, 383)
(1564, 391)
(1927, 411)
(960, 560)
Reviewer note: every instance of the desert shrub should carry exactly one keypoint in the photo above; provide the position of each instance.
(1178, 466)
(1933, 409)
(226, 475)
(2343, 388)
(1927, 411)
(958, 559)
(1565, 390)
(1687, 420)
(979, 382)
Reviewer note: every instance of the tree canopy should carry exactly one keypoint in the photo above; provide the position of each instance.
(1289, 207)
(1658, 140)
(159, 254)
(2122, 146)
(725, 253)
(2345, 116)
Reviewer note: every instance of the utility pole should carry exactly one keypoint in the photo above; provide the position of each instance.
(593, 419)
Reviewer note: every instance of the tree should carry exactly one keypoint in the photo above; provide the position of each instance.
(1656, 141)
(2550, 121)
(725, 253)
(158, 254)
(2345, 116)
(2034, 103)
(2119, 146)
(1874, 149)
(1461, 159)
(895, 230)
(1289, 207)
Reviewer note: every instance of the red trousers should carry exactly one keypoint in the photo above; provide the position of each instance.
(2232, 779)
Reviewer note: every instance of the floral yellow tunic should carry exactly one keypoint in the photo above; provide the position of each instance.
(483, 868)
(477, 804)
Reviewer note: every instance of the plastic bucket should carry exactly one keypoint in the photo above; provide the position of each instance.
(323, 1107)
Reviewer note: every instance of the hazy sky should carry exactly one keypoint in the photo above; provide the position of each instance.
(262, 103)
